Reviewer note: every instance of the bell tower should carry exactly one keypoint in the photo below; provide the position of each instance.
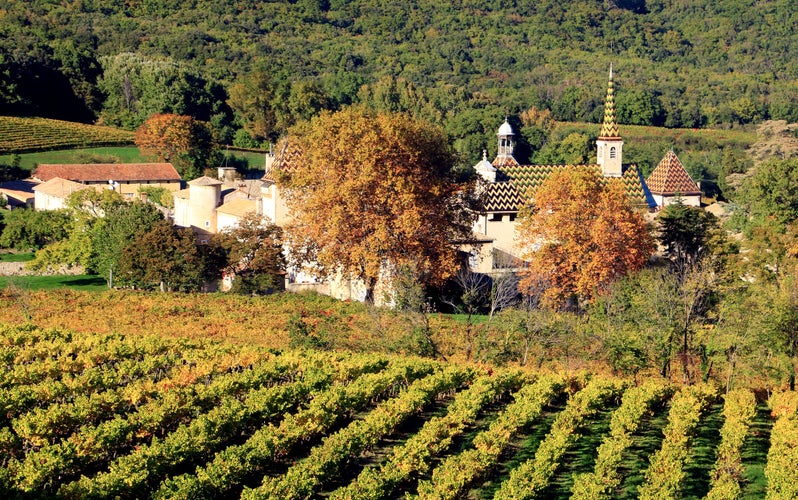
(609, 145)
(505, 135)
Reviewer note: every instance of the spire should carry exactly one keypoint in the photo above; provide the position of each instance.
(609, 129)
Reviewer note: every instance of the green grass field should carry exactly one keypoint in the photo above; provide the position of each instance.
(87, 282)
(16, 257)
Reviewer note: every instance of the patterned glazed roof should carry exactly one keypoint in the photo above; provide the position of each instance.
(671, 178)
(288, 154)
(104, 172)
(505, 161)
(515, 185)
(609, 128)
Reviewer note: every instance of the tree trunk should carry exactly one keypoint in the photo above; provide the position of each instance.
(371, 284)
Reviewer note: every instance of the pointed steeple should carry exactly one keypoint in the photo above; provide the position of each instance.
(609, 129)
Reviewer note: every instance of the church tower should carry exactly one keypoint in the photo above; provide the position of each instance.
(609, 144)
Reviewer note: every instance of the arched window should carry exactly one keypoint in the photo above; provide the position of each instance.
(612, 152)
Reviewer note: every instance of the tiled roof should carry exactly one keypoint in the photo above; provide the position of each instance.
(671, 178)
(609, 128)
(104, 172)
(59, 187)
(516, 186)
(19, 190)
(288, 154)
(238, 207)
(205, 181)
(504, 161)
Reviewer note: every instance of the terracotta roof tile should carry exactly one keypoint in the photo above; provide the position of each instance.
(238, 207)
(103, 172)
(671, 178)
(59, 187)
(205, 181)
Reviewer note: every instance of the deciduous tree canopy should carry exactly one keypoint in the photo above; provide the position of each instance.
(581, 234)
(179, 139)
(375, 191)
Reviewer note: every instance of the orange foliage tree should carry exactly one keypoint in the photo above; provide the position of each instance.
(178, 139)
(581, 234)
(372, 192)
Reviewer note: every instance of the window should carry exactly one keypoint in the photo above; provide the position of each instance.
(207, 223)
(612, 152)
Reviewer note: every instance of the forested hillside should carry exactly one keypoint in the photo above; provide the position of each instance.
(252, 68)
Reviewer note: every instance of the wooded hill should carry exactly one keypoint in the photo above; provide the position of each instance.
(260, 66)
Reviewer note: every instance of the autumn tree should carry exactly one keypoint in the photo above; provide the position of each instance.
(181, 140)
(580, 235)
(253, 254)
(373, 192)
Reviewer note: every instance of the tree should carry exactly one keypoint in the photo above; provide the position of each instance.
(253, 254)
(163, 257)
(581, 234)
(773, 190)
(685, 232)
(27, 228)
(181, 140)
(121, 224)
(250, 99)
(373, 192)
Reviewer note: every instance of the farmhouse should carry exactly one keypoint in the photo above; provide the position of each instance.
(53, 194)
(126, 178)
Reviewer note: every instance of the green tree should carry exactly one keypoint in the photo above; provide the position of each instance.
(773, 190)
(120, 224)
(685, 232)
(27, 228)
(163, 257)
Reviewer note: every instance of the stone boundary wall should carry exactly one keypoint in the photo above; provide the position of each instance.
(18, 269)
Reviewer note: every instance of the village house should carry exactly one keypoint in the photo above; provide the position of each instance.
(53, 194)
(209, 206)
(18, 193)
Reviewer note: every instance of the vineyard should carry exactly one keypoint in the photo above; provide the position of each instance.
(104, 416)
(22, 135)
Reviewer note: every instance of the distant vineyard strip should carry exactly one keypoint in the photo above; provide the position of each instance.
(434, 437)
(23, 135)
